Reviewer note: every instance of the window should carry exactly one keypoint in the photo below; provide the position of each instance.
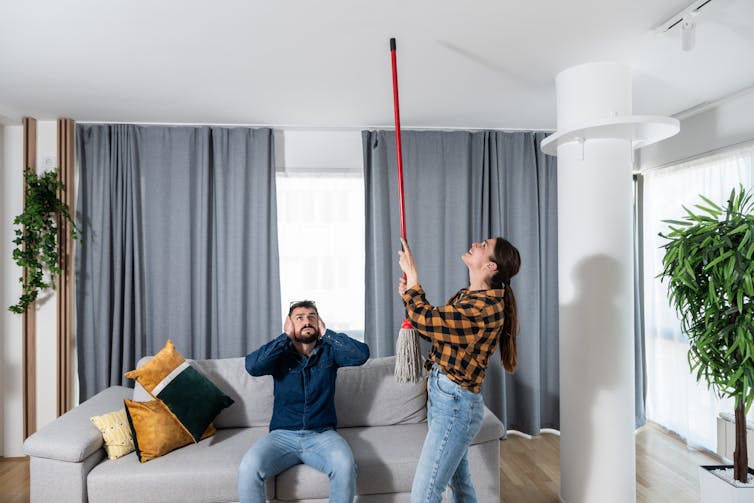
(321, 243)
(674, 398)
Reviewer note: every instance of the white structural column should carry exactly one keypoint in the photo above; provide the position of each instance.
(597, 443)
(594, 144)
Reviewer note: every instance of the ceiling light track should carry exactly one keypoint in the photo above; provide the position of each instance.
(678, 18)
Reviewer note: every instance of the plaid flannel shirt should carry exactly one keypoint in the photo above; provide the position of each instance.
(464, 332)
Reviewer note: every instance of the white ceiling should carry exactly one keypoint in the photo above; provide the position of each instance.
(320, 64)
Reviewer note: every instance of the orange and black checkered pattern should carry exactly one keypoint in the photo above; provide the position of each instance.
(464, 332)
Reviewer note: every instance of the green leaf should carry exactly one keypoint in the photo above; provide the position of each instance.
(711, 203)
(677, 222)
(713, 212)
(718, 259)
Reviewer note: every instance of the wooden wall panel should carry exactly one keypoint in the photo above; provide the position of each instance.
(64, 281)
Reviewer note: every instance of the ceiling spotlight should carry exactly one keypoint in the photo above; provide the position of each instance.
(688, 32)
(686, 21)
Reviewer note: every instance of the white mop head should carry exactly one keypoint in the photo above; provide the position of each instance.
(408, 358)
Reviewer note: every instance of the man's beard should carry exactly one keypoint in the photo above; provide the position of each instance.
(308, 338)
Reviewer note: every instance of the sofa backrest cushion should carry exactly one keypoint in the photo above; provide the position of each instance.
(370, 396)
(367, 395)
(252, 395)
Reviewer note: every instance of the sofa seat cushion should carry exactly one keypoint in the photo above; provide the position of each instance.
(201, 472)
(386, 458)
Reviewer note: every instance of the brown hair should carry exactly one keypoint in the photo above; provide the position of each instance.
(508, 261)
(309, 304)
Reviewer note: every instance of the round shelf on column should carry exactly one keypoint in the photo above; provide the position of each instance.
(642, 130)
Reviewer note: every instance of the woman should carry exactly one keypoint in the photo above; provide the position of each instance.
(464, 334)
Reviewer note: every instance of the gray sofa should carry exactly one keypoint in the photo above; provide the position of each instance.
(384, 422)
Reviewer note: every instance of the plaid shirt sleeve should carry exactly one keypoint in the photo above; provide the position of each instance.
(457, 322)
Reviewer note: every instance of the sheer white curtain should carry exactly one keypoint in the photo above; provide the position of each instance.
(674, 399)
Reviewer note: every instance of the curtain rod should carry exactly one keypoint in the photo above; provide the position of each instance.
(709, 153)
(300, 127)
(707, 105)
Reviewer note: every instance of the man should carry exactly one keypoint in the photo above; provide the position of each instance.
(303, 361)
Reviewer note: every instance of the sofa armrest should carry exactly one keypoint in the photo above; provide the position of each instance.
(72, 437)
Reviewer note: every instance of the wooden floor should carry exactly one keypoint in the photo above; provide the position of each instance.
(14, 480)
(666, 471)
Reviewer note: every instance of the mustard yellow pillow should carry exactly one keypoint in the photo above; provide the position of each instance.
(160, 366)
(156, 431)
(192, 398)
(116, 432)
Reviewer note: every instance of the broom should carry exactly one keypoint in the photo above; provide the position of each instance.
(408, 359)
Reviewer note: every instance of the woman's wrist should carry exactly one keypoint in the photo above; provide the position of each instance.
(412, 280)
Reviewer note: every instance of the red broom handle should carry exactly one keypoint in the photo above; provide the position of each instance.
(398, 151)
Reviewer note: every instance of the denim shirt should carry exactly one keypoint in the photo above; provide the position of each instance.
(305, 387)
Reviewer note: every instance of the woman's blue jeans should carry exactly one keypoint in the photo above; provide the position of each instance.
(274, 453)
(454, 415)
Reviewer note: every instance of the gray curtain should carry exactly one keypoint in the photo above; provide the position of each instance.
(462, 187)
(179, 241)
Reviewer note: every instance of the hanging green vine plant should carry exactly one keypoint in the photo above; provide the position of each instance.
(37, 235)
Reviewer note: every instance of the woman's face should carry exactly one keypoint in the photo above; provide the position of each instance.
(479, 254)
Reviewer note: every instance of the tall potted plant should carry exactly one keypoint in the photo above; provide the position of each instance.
(709, 267)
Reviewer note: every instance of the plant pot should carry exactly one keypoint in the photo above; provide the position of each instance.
(714, 489)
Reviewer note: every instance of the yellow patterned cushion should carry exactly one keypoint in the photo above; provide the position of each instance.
(156, 430)
(116, 433)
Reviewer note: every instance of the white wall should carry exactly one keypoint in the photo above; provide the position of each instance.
(11, 411)
(11, 363)
(728, 123)
(314, 149)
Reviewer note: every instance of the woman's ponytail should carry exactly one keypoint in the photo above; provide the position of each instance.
(508, 262)
(509, 333)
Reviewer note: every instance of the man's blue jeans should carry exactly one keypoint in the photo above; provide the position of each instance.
(454, 416)
(277, 451)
